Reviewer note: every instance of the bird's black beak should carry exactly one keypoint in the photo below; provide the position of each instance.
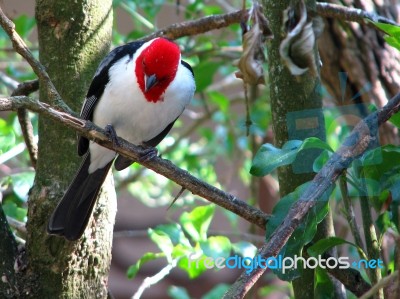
(149, 82)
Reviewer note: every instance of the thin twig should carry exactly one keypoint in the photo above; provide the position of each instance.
(176, 197)
(380, 285)
(353, 147)
(198, 26)
(351, 14)
(8, 81)
(349, 212)
(22, 49)
(371, 240)
(24, 89)
(152, 280)
(17, 225)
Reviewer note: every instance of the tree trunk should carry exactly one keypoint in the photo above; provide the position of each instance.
(293, 100)
(8, 255)
(73, 37)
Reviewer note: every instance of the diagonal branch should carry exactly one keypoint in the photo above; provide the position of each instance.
(22, 49)
(159, 165)
(354, 146)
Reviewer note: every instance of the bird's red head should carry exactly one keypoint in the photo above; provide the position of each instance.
(156, 67)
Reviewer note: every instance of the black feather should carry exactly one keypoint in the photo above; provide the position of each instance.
(72, 214)
(99, 83)
(187, 65)
(121, 162)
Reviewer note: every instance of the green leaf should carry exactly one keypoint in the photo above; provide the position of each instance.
(7, 136)
(314, 142)
(174, 232)
(13, 210)
(392, 31)
(304, 233)
(320, 161)
(178, 293)
(163, 241)
(193, 264)
(217, 292)
(384, 222)
(395, 120)
(268, 157)
(24, 25)
(204, 74)
(149, 256)
(216, 246)
(21, 183)
(380, 169)
(323, 285)
(244, 248)
(388, 28)
(324, 245)
(220, 100)
(196, 222)
(393, 41)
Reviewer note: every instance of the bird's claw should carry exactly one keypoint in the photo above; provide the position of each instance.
(148, 154)
(112, 135)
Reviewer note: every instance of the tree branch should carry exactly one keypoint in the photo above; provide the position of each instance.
(381, 284)
(213, 22)
(22, 49)
(25, 89)
(350, 14)
(354, 146)
(159, 165)
(152, 280)
(199, 26)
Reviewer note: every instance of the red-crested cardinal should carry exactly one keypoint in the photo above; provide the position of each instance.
(137, 93)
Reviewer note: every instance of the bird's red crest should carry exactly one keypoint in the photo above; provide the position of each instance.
(161, 58)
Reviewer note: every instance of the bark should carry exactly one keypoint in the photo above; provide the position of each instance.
(359, 52)
(8, 256)
(73, 37)
(299, 95)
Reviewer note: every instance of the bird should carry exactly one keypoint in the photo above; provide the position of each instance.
(137, 93)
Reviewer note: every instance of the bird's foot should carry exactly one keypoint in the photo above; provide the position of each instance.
(112, 135)
(148, 154)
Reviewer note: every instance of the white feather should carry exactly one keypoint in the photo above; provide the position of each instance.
(124, 106)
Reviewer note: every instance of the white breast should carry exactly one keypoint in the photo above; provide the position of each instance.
(124, 106)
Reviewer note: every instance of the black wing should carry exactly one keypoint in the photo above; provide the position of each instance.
(99, 83)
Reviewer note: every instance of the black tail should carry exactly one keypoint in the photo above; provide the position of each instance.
(72, 214)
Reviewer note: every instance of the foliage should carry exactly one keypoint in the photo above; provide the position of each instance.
(393, 33)
(187, 242)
